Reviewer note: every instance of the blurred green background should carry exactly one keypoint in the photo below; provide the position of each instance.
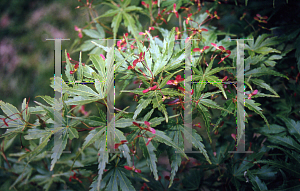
(26, 58)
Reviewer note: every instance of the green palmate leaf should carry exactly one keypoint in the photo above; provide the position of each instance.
(109, 13)
(171, 92)
(124, 182)
(154, 49)
(143, 104)
(35, 110)
(200, 78)
(262, 84)
(158, 103)
(12, 121)
(163, 138)
(170, 42)
(7, 142)
(293, 127)
(99, 64)
(133, 8)
(290, 168)
(295, 156)
(213, 80)
(116, 22)
(230, 106)
(110, 70)
(252, 60)
(130, 23)
(149, 154)
(222, 152)
(94, 135)
(88, 71)
(26, 173)
(175, 163)
(288, 142)
(198, 72)
(138, 91)
(274, 129)
(250, 104)
(209, 66)
(83, 90)
(86, 46)
(119, 136)
(59, 85)
(36, 151)
(239, 169)
(59, 145)
(256, 182)
(80, 100)
(263, 41)
(92, 121)
(49, 100)
(121, 113)
(167, 52)
(93, 33)
(148, 115)
(113, 181)
(263, 71)
(102, 159)
(174, 157)
(196, 140)
(263, 95)
(266, 172)
(36, 134)
(53, 114)
(216, 70)
(176, 60)
(100, 31)
(124, 122)
(99, 85)
(270, 63)
(156, 121)
(73, 133)
(206, 117)
(11, 111)
(212, 104)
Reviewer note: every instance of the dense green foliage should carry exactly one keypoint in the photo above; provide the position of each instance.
(149, 61)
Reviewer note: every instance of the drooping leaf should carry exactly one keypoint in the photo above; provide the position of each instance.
(256, 182)
(250, 104)
(293, 127)
(196, 140)
(102, 160)
(73, 133)
(143, 104)
(149, 154)
(59, 145)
